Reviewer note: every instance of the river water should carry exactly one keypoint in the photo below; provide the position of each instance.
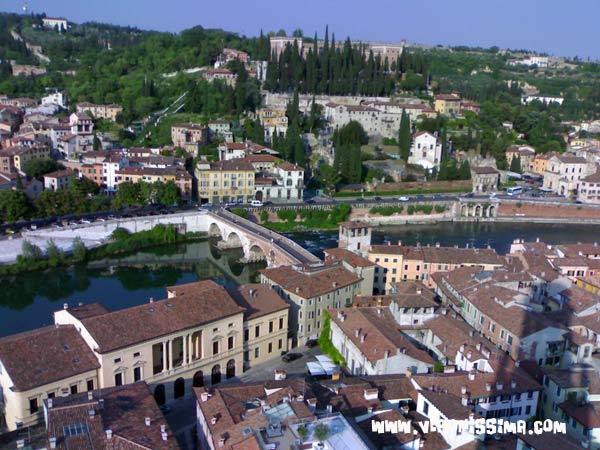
(27, 301)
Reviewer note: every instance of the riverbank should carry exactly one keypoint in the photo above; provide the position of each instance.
(122, 242)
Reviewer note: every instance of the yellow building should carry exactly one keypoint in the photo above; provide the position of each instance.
(181, 178)
(401, 263)
(108, 112)
(540, 162)
(20, 155)
(447, 103)
(225, 181)
(265, 322)
(274, 121)
(589, 283)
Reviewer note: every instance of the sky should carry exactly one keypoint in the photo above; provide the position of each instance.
(556, 27)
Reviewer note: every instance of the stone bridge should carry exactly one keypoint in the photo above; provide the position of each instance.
(257, 242)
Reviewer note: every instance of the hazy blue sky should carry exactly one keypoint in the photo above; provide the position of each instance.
(555, 26)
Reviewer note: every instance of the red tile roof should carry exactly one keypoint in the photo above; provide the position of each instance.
(258, 299)
(36, 358)
(193, 305)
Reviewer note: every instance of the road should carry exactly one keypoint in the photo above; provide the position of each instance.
(287, 245)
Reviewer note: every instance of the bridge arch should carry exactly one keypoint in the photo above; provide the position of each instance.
(256, 254)
(215, 231)
(492, 211)
(464, 210)
(234, 240)
(478, 211)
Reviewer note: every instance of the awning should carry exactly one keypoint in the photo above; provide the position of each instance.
(323, 366)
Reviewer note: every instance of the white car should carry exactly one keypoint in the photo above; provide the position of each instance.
(403, 199)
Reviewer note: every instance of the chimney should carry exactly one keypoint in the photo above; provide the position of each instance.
(464, 400)
(517, 363)
(65, 306)
(163, 428)
(513, 384)
(386, 354)
(400, 243)
(151, 299)
(472, 333)
(357, 332)
(408, 372)
(221, 441)
(488, 386)
(362, 339)
(469, 354)
(164, 436)
(471, 376)
(334, 284)
(437, 245)
(147, 421)
(404, 350)
(479, 346)
(370, 409)
(52, 442)
(213, 420)
(203, 396)
(499, 386)
(90, 395)
(462, 348)
(419, 291)
(463, 390)
(108, 434)
(297, 290)
(379, 311)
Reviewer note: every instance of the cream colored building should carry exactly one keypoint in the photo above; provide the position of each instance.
(20, 155)
(265, 322)
(192, 337)
(225, 181)
(40, 364)
(311, 290)
(589, 189)
(447, 104)
(564, 172)
(189, 136)
(108, 112)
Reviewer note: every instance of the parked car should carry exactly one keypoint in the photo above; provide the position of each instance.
(289, 357)
(267, 203)
(84, 221)
(310, 202)
(377, 198)
(420, 197)
(437, 196)
(404, 199)
(312, 343)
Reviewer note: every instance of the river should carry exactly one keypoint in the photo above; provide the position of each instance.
(27, 301)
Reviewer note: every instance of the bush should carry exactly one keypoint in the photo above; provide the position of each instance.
(326, 344)
(440, 208)
(264, 216)
(386, 210)
(289, 215)
(410, 210)
(55, 255)
(31, 251)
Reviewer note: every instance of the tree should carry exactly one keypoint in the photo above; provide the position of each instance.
(55, 255)
(515, 164)
(14, 205)
(404, 136)
(128, 194)
(464, 172)
(79, 250)
(31, 251)
(36, 168)
(321, 432)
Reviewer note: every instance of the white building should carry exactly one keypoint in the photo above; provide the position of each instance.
(110, 170)
(370, 343)
(546, 99)
(55, 98)
(425, 150)
(565, 172)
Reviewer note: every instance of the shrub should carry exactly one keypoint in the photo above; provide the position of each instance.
(264, 216)
(440, 208)
(289, 215)
(79, 250)
(410, 210)
(239, 211)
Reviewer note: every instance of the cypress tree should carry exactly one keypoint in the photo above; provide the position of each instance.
(404, 136)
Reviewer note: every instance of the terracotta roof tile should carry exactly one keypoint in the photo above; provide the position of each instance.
(45, 355)
(258, 300)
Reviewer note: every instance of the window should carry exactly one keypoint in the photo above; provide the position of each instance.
(230, 342)
(425, 408)
(136, 354)
(118, 379)
(137, 374)
(558, 391)
(215, 347)
(117, 360)
(280, 344)
(90, 385)
(270, 347)
(271, 326)
(74, 389)
(257, 331)
(528, 410)
(51, 394)
(33, 405)
(256, 352)
(281, 323)
(246, 335)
